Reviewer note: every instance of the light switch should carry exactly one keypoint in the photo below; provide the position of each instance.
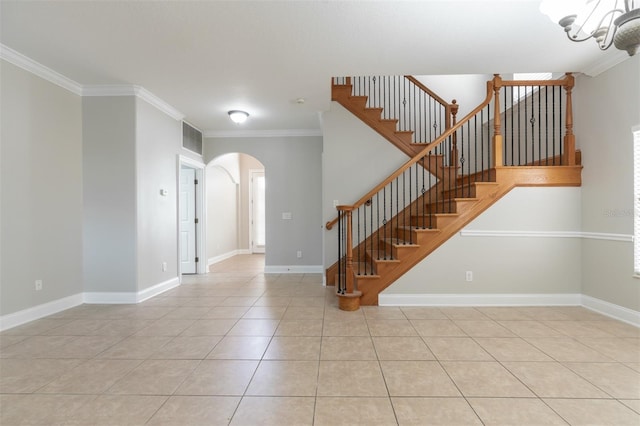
(286, 216)
(164, 192)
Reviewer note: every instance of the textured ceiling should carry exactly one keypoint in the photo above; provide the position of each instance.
(207, 57)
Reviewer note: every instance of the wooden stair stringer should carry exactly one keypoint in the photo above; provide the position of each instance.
(384, 127)
(508, 178)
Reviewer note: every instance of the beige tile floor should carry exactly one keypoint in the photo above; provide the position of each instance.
(243, 348)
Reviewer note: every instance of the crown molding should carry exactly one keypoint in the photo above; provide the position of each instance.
(286, 133)
(36, 68)
(152, 99)
(605, 63)
(133, 90)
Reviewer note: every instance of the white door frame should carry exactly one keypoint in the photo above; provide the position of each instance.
(251, 172)
(201, 266)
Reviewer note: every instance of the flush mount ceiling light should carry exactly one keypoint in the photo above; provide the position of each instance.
(238, 116)
(606, 21)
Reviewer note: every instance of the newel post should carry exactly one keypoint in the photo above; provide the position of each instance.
(497, 127)
(350, 299)
(349, 251)
(454, 137)
(569, 138)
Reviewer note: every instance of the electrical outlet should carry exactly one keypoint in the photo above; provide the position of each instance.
(299, 254)
(38, 285)
(469, 275)
(164, 266)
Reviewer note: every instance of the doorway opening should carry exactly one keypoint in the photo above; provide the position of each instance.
(191, 248)
(236, 207)
(257, 222)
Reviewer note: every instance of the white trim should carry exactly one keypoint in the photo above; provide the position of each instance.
(549, 234)
(109, 90)
(262, 133)
(612, 310)
(607, 61)
(293, 269)
(39, 311)
(201, 212)
(157, 289)
(133, 90)
(36, 68)
(225, 256)
(110, 298)
(479, 299)
(131, 297)
(155, 101)
(197, 164)
(607, 237)
(192, 152)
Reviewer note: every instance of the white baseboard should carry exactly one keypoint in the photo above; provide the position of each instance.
(107, 298)
(294, 269)
(225, 256)
(157, 289)
(31, 314)
(611, 310)
(479, 299)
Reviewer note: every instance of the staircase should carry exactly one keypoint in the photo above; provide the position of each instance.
(449, 181)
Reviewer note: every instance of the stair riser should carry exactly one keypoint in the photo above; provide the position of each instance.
(399, 251)
(435, 221)
(414, 236)
(373, 113)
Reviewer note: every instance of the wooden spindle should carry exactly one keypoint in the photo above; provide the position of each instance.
(454, 137)
(497, 127)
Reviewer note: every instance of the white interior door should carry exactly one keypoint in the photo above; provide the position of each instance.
(257, 211)
(188, 221)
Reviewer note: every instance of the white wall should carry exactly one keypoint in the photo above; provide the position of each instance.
(508, 264)
(222, 211)
(109, 190)
(470, 90)
(41, 190)
(158, 142)
(605, 109)
(354, 160)
(294, 184)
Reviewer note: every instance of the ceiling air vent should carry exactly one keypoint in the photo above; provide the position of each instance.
(191, 138)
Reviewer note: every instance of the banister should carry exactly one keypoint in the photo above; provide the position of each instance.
(426, 89)
(417, 157)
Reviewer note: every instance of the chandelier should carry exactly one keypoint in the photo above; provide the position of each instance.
(608, 22)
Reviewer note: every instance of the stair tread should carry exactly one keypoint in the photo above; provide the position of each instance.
(399, 242)
(417, 228)
(382, 255)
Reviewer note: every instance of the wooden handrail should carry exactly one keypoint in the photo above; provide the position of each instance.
(563, 82)
(426, 89)
(448, 108)
(418, 156)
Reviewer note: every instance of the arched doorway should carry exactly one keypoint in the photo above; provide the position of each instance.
(235, 207)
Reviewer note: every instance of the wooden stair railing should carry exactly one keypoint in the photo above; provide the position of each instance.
(396, 225)
(401, 109)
